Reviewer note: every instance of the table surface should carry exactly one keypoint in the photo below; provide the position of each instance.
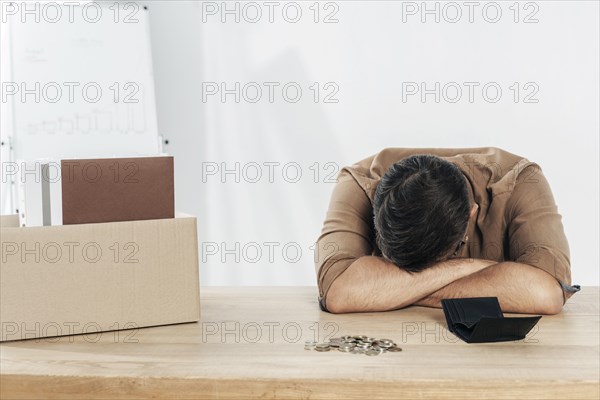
(250, 344)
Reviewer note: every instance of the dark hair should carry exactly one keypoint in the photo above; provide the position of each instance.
(421, 211)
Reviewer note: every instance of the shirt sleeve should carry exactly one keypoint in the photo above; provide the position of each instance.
(347, 232)
(535, 231)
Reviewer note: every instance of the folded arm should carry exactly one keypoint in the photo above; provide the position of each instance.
(372, 284)
(520, 288)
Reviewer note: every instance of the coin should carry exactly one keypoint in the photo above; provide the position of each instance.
(394, 349)
(358, 344)
(322, 347)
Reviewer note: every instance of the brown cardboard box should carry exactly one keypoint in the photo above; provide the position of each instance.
(60, 280)
(117, 189)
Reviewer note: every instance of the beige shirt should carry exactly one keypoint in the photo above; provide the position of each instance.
(516, 220)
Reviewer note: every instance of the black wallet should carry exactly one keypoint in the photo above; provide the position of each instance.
(480, 320)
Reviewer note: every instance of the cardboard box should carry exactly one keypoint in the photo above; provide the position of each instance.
(88, 278)
(117, 189)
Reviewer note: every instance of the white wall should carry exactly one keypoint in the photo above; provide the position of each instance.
(368, 54)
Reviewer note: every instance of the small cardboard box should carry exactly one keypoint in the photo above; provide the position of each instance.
(90, 278)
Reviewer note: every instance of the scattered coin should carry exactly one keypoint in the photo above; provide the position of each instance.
(358, 344)
(346, 348)
(373, 352)
(322, 347)
(385, 343)
(309, 345)
(394, 349)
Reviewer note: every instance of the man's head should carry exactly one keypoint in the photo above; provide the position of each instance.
(421, 209)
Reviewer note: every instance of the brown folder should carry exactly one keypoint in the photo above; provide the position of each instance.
(117, 189)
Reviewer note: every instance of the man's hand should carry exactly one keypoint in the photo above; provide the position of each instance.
(520, 288)
(374, 284)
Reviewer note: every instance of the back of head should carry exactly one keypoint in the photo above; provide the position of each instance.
(421, 211)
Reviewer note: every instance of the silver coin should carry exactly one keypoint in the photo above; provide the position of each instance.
(358, 344)
(394, 349)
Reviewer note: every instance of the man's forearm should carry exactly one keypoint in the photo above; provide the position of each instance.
(373, 284)
(520, 288)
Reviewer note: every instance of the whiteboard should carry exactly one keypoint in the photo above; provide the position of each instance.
(91, 85)
(78, 87)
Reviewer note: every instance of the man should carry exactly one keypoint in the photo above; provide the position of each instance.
(414, 226)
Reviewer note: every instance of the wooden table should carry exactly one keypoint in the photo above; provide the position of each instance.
(250, 344)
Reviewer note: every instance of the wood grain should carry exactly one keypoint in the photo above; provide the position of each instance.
(249, 344)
